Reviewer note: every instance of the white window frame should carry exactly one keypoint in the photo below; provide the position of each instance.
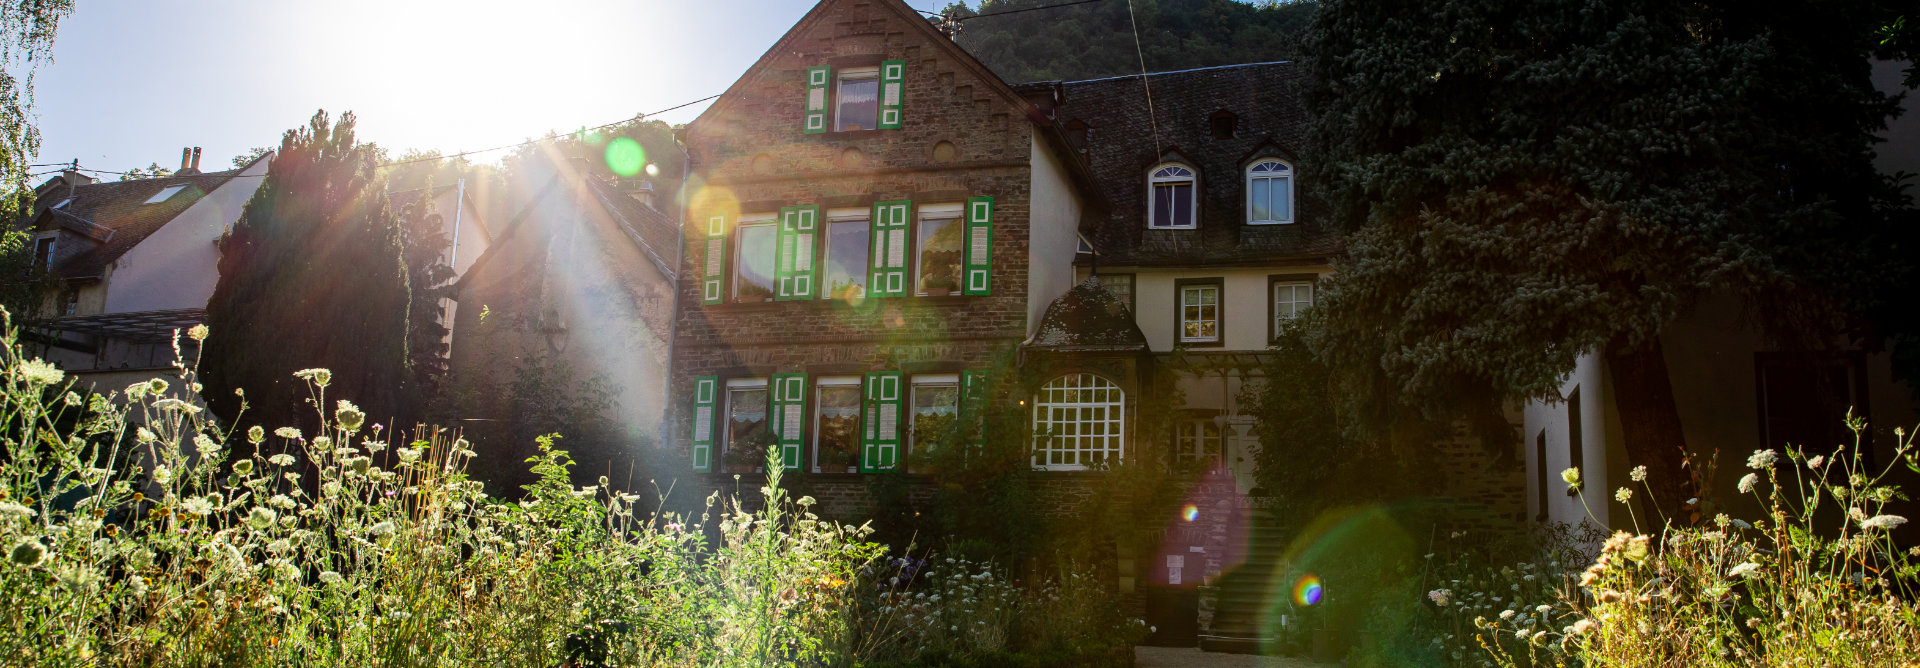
(858, 74)
(53, 249)
(740, 246)
(849, 215)
(953, 211)
(1273, 290)
(929, 381)
(1181, 303)
(1191, 178)
(726, 409)
(835, 382)
(165, 194)
(1200, 440)
(1285, 178)
(1113, 425)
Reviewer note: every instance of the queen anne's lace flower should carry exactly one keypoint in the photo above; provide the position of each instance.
(40, 372)
(1743, 570)
(1623, 495)
(1572, 477)
(282, 459)
(1747, 482)
(320, 377)
(1883, 522)
(1762, 460)
(1639, 474)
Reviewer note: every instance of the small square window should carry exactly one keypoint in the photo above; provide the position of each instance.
(1200, 312)
(165, 194)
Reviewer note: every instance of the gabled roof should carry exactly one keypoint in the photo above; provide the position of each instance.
(648, 228)
(1123, 142)
(655, 235)
(1088, 318)
(117, 215)
(913, 18)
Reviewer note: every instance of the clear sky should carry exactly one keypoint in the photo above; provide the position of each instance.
(135, 81)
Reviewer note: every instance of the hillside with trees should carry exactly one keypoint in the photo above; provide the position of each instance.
(1096, 39)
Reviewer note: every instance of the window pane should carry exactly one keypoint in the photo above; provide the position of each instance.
(859, 103)
(746, 416)
(1121, 285)
(1182, 202)
(847, 259)
(940, 256)
(1282, 198)
(1259, 196)
(754, 264)
(837, 425)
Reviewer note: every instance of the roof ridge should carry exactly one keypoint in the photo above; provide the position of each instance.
(1195, 69)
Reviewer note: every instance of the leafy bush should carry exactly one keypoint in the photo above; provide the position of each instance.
(954, 611)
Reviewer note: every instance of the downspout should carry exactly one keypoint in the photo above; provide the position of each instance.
(679, 269)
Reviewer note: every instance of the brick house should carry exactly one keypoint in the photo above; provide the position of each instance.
(873, 220)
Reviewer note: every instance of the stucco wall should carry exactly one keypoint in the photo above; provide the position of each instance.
(1246, 307)
(1053, 235)
(177, 266)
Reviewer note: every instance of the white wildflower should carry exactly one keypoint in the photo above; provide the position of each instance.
(349, 416)
(1883, 522)
(1639, 474)
(162, 474)
(260, 518)
(197, 333)
(196, 506)
(320, 377)
(1572, 477)
(1743, 570)
(1762, 460)
(15, 511)
(1747, 482)
(40, 372)
(330, 577)
(1623, 495)
(287, 433)
(1816, 461)
(282, 459)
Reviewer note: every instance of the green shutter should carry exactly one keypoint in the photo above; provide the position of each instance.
(705, 390)
(880, 422)
(973, 407)
(794, 271)
(979, 249)
(788, 415)
(890, 249)
(818, 79)
(893, 88)
(713, 273)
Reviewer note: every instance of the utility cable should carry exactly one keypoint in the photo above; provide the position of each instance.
(1152, 120)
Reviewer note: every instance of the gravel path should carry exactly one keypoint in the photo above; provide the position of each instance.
(1192, 657)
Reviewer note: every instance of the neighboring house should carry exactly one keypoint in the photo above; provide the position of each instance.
(467, 235)
(127, 263)
(1210, 244)
(874, 221)
(1736, 393)
(580, 278)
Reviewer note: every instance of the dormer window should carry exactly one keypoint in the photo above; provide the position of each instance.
(1269, 193)
(165, 194)
(1170, 198)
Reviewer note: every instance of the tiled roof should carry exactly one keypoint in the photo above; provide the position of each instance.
(1088, 318)
(121, 208)
(1123, 143)
(656, 235)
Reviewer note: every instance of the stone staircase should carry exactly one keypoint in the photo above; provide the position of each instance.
(1251, 597)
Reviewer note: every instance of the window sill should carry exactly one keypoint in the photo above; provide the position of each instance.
(1188, 228)
(850, 135)
(1269, 223)
(1202, 344)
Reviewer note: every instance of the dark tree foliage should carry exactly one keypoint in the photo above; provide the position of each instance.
(312, 276)
(1096, 40)
(1526, 181)
(425, 246)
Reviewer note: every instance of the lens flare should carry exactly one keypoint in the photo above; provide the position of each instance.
(1190, 513)
(625, 156)
(1306, 590)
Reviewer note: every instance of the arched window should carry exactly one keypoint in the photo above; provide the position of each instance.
(1171, 201)
(1269, 193)
(1078, 423)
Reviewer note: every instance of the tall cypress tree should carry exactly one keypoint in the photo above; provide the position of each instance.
(1527, 181)
(312, 276)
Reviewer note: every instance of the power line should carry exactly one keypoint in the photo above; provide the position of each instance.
(1032, 9)
(1151, 119)
(447, 157)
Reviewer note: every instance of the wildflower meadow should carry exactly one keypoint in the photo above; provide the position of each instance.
(139, 530)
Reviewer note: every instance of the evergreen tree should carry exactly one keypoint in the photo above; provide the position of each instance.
(425, 245)
(1527, 181)
(312, 276)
